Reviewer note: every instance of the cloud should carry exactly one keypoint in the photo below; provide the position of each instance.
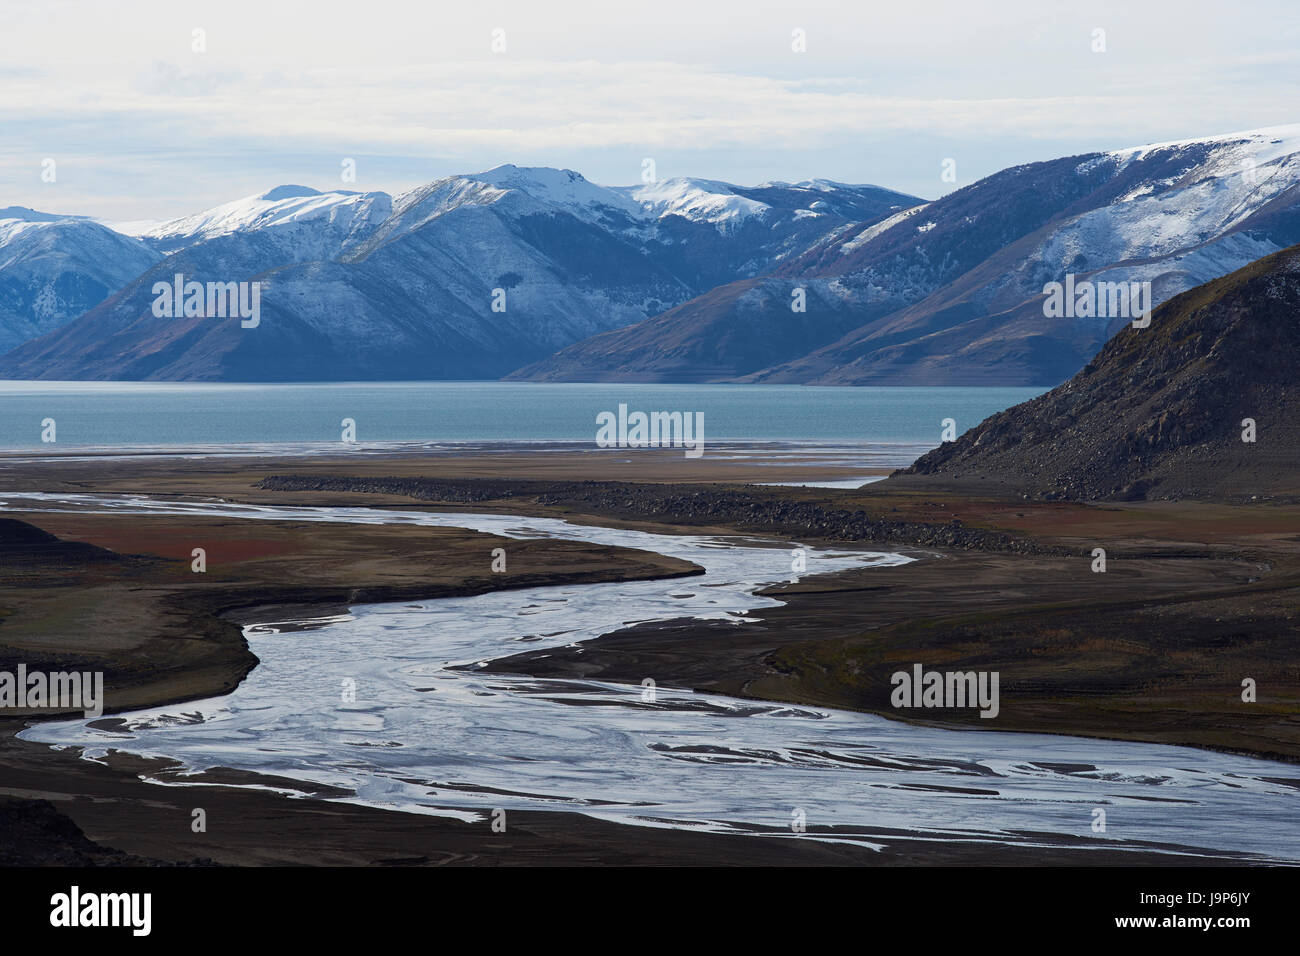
(417, 88)
(531, 106)
(167, 79)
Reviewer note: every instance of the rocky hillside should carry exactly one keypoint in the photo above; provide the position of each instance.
(1159, 412)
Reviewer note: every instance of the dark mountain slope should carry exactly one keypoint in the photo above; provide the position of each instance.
(1158, 412)
(685, 344)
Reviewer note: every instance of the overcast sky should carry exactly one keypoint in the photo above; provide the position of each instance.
(141, 125)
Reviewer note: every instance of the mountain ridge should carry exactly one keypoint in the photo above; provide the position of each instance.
(1202, 403)
(951, 292)
(466, 276)
(534, 273)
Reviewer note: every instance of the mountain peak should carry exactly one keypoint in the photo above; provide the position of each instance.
(820, 185)
(510, 173)
(702, 200)
(287, 205)
(555, 187)
(31, 215)
(1260, 146)
(288, 192)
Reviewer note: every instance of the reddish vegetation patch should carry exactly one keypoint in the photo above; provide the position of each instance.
(163, 539)
(242, 550)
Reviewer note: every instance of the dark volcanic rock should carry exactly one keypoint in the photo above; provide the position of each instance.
(1160, 412)
(27, 544)
(36, 834)
(746, 508)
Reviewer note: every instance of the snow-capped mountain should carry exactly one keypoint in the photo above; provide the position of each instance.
(696, 200)
(542, 271)
(468, 276)
(54, 268)
(701, 232)
(310, 223)
(23, 214)
(951, 292)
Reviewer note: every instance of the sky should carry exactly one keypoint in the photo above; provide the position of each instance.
(150, 110)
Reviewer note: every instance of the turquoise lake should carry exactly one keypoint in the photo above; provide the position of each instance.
(121, 414)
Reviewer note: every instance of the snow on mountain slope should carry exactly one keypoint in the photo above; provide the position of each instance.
(1223, 182)
(327, 223)
(951, 292)
(631, 210)
(700, 232)
(866, 235)
(697, 200)
(468, 276)
(898, 290)
(506, 191)
(52, 272)
(641, 211)
(24, 214)
(1175, 215)
(52, 269)
(1263, 145)
(562, 188)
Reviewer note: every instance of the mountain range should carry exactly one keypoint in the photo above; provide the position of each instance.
(538, 274)
(951, 292)
(365, 286)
